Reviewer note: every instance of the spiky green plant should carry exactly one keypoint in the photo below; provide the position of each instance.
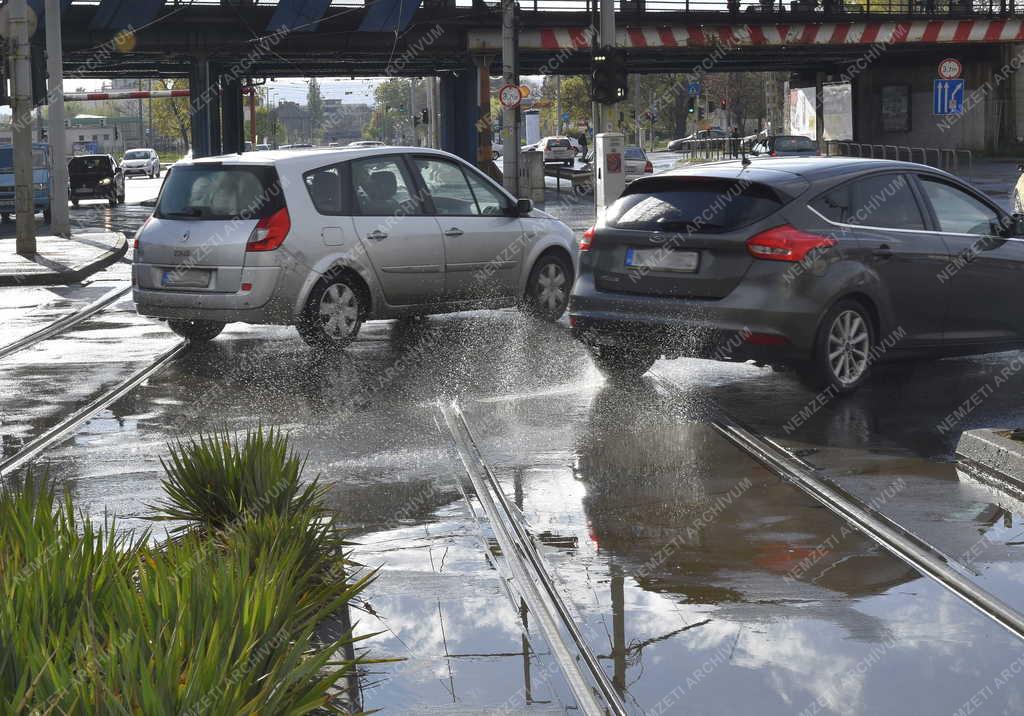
(221, 619)
(214, 481)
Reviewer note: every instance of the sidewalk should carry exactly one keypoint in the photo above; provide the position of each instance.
(59, 260)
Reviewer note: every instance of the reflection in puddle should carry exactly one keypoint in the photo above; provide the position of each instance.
(709, 586)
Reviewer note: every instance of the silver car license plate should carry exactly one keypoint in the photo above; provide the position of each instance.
(662, 260)
(185, 278)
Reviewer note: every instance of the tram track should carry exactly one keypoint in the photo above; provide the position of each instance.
(899, 541)
(59, 432)
(64, 324)
(593, 690)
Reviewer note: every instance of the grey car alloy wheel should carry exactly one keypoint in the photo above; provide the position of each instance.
(849, 345)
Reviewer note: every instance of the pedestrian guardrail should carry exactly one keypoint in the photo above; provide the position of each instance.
(940, 157)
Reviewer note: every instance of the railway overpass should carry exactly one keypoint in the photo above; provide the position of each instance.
(871, 44)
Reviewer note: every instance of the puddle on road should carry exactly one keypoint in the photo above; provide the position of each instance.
(391, 477)
(702, 580)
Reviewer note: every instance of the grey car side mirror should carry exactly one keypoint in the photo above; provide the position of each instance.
(524, 206)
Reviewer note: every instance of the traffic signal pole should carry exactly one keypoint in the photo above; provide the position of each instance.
(607, 40)
(60, 221)
(510, 117)
(21, 128)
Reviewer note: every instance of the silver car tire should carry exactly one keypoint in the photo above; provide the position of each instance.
(198, 331)
(333, 315)
(548, 287)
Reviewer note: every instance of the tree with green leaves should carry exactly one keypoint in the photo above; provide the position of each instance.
(315, 102)
(171, 116)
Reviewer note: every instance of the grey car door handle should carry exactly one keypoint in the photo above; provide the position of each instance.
(453, 232)
(883, 252)
(377, 235)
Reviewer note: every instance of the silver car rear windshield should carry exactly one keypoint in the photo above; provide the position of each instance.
(215, 191)
(692, 204)
(794, 144)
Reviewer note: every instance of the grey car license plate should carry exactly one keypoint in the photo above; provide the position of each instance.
(185, 278)
(662, 260)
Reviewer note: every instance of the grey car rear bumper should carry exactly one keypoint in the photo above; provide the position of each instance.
(741, 323)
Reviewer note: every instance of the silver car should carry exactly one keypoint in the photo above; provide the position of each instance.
(141, 161)
(325, 240)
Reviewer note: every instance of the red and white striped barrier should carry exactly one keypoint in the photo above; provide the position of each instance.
(773, 35)
(141, 94)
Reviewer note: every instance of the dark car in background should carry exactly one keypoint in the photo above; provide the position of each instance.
(96, 176)
(784, 145)
(828, 265)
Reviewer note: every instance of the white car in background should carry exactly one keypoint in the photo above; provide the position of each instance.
(327, 239)
(366, 143)
(556, 149)
(637, 163)
(141, 161)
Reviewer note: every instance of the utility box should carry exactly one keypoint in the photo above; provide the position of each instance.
(531, 177)
(609, 169)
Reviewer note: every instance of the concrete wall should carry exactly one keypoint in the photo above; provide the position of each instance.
(978, 129)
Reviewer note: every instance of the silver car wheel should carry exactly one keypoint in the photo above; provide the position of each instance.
(551, 283)
(848, 347)
(339, 312)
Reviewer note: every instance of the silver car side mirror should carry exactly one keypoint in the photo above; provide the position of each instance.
(524, 206)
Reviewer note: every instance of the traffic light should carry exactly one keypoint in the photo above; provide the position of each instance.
(690, 105)
(609, 78)
(37, 57)
(424, 116)
(723, 104)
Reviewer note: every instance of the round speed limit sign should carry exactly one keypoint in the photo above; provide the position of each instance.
(950, 69)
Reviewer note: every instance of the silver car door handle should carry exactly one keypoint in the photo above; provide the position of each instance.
(453, 232)
(377, 235)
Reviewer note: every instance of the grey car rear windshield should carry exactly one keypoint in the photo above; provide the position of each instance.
(692, 204)
(214, 191)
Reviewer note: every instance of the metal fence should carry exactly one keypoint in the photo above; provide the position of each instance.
(952, 160)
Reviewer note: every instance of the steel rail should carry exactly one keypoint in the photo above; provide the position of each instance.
(63, 324)
(895, 539)
(61, 430)
(532, 578)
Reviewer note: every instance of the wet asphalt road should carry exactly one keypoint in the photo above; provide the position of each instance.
(703, 583)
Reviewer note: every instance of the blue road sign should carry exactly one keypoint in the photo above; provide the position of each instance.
(565, 116)
(948, 97)
(693, 89)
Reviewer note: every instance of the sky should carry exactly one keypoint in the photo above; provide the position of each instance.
(357, 91)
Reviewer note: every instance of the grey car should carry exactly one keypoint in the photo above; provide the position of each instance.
(826, 264)
(327, 239)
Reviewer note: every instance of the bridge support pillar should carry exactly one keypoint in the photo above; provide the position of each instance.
(484, 126)
(232, 116)
(204, 109)
(458, 118)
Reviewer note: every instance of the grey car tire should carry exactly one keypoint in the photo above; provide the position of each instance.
(548, 287)
(843, 349)
(333, 314)
(196, 331)
(622, 363)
